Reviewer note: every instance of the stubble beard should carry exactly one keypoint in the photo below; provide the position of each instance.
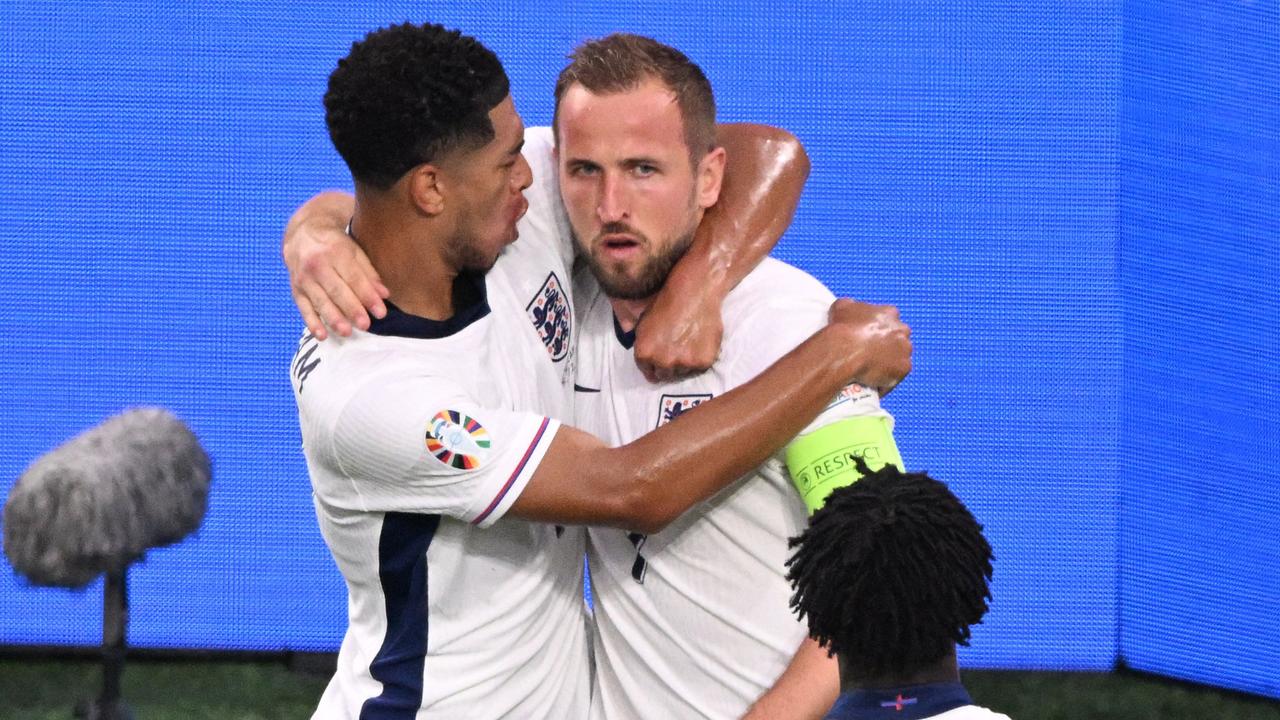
(653, 274)
(466, 256)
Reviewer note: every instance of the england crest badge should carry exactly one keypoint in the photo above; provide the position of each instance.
(551, 317)
(672, 406)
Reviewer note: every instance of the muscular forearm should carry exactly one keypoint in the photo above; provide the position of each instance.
(659, 476)
(806, 690)
(647, 483)
(765, 172)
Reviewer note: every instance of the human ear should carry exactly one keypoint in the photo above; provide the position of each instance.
(710, 177)
(427, 188)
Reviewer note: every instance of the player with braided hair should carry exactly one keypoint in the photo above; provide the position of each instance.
(890, 574)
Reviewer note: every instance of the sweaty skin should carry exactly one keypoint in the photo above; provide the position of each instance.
(334, 284)
(633, 190)
(645, 484)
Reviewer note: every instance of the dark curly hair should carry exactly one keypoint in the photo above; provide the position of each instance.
(891, 573)
(409, 94)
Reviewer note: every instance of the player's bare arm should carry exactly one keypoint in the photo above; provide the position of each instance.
(806, 690)
(765, 173)
(334, 284)
(646, 484)
(332, 280)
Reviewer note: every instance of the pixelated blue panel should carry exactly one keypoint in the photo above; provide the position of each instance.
(149, 157)
(966, 167)
(1200, 258)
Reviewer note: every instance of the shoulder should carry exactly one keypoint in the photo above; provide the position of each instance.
(321, 367)
(539, 151)
(333, 372)
(777, 284)
(349, 389)
(775, 308)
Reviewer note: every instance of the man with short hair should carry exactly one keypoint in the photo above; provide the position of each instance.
(692, 621)
(890, 575)
(437, 466)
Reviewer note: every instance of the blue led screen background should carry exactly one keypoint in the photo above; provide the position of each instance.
(1073, 203)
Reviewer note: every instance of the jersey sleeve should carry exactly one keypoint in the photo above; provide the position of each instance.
(768, 323)
(780, 310)
(546, 221)
(422, 445)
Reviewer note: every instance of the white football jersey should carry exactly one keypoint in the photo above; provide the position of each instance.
(419, 435)
(970, 712)
(694, 621)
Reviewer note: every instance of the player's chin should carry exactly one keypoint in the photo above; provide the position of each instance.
(621, 285)
(512, 234)
(484, 263)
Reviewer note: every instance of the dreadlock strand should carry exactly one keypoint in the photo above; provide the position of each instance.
(891, 572)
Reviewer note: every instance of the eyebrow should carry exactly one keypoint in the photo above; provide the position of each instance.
(641, 160)
(625, 162)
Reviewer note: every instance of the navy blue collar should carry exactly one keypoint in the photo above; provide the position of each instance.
(628, 339)
(906, 703)
(469, 297)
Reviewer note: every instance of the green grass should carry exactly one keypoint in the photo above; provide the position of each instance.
(265, 690)
(183, 690)
(1104, 696)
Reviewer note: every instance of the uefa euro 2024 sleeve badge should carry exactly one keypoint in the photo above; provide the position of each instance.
(457, 440)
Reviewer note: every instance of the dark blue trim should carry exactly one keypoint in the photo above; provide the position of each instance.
(628, 339)
(470, 298)
(402, 570)
(906, 703)
(537, 438)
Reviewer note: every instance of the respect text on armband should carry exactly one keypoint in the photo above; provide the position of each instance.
(828, 467)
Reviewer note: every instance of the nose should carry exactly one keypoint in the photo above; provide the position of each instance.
(612, 206)
(522, 178)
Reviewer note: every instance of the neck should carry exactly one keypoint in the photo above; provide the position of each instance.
(628, 312)
(407, 255)
(945, 670)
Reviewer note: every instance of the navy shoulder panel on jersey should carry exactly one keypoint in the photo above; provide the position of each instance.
(470, 299)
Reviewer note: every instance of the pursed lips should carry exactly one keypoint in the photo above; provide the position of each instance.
(522, 207)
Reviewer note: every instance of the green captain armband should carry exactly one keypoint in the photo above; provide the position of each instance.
(823, 460)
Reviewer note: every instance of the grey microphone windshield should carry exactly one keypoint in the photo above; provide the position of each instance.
(97, 502)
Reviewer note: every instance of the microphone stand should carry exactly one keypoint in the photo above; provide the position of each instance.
(115, 618)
